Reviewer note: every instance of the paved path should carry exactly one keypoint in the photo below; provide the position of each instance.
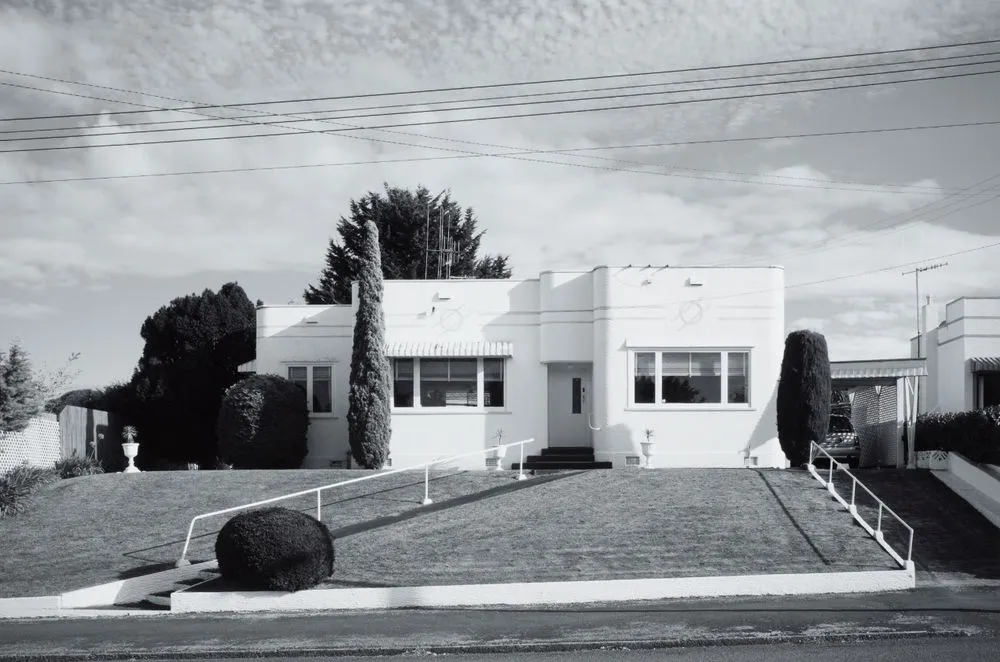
(935, 611)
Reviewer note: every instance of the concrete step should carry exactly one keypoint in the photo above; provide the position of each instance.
(568, 450)
(550, 465)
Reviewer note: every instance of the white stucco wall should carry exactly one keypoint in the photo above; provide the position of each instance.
(971, 329)
(733, 308)
(559, 318)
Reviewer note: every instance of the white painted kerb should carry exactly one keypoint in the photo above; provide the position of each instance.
(543, 593)
(45, 605)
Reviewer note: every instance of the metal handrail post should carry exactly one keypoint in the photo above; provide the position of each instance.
(520, 467)
(319, 505)
(427, 486)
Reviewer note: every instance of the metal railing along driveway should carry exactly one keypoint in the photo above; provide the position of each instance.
(500, 450)
(876, 531)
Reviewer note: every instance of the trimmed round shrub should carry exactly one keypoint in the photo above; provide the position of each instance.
(262, 424)
(274, 549)
(804, 394)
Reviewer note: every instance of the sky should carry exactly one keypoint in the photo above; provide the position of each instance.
(82, 263)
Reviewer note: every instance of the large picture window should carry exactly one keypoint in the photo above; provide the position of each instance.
(449, 383)
(317, 383)
(705, 377)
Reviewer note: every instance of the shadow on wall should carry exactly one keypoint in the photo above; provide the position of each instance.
(763, 442)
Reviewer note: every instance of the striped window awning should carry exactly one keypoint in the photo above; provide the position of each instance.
(249, 366)
(881, 369)
(985, 364)
(449, 349)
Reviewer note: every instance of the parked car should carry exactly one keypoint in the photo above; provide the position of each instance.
(842, 441)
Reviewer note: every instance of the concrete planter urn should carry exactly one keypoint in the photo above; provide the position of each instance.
(648, 448)
(501, 453)
(130, 448)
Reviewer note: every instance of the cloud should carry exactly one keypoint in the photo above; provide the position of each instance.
(24, 310)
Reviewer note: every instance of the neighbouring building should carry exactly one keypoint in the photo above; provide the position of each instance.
(961, 342)
(571, 358)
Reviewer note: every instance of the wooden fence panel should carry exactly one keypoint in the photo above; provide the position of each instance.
(92, 431)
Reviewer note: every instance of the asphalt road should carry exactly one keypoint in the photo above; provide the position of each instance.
(924, 650)
(953, 615)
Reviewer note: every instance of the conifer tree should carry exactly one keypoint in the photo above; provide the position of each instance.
(804, 394)
(368, 416)
(401, 217)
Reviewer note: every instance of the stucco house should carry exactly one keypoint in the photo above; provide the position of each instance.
(961, 342)
(570, 358)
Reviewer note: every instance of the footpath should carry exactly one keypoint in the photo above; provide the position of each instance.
(931, 611)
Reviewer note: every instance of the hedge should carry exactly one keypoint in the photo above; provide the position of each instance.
(263, 421)
(974, 434)
(274, 549)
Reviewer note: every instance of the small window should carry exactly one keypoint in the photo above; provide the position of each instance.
(577, 404)
(322, 389)
(645, 378)
(493, 383)
(316, 383)
(738, 384)
(402, 383)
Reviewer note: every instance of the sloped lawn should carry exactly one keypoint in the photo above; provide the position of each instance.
(617, 525)
(95, 529)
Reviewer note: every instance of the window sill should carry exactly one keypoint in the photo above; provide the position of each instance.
(327, 415)
(447, 411)
(690, 407)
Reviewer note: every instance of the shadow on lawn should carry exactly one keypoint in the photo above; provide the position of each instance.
(791, 518)
(158, 564)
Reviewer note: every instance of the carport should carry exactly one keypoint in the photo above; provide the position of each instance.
(883, 396)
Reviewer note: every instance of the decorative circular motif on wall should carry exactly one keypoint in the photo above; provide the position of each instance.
(690, 312)
(451, 320)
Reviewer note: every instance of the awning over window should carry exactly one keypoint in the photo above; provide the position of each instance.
(450, 349)
(986, 364)
(249, 366)
(881, 369)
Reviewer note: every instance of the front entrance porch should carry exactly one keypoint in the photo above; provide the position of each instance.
(570, 432)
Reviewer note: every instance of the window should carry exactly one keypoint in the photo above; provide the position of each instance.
(645, 378)
(448, 383)
(316, 383)
(685, 377)
(493, 382)
(459, 382)
(402, 382)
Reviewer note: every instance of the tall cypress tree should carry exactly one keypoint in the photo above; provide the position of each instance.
(401, 217)
(368, 417)
(21, 392)
(804, 394)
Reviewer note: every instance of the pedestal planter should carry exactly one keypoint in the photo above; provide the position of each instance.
(131, 450)
(501, 452)
(648, 451)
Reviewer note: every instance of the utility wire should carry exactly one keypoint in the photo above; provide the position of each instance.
(906, 220)
(303, 113)
(464, 88)
(567, 111)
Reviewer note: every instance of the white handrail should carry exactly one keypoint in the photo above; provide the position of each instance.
(425, 466)
(876, 531)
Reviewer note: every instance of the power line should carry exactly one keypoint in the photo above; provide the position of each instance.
(480, 119)
(568, 111)
(464, 88)
(302, 113)
(872, 187)
(906, 220)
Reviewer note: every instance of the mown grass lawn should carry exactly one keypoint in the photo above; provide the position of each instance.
(95, 529)
(616, 525)
(483, 527)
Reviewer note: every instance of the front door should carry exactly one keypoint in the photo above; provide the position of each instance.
(569, 404)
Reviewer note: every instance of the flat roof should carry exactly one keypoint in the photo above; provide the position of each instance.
(878, 369)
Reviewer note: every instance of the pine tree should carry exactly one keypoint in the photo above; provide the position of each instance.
(368, 416)
(401, 217)
(804, 394)
(22, 393)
